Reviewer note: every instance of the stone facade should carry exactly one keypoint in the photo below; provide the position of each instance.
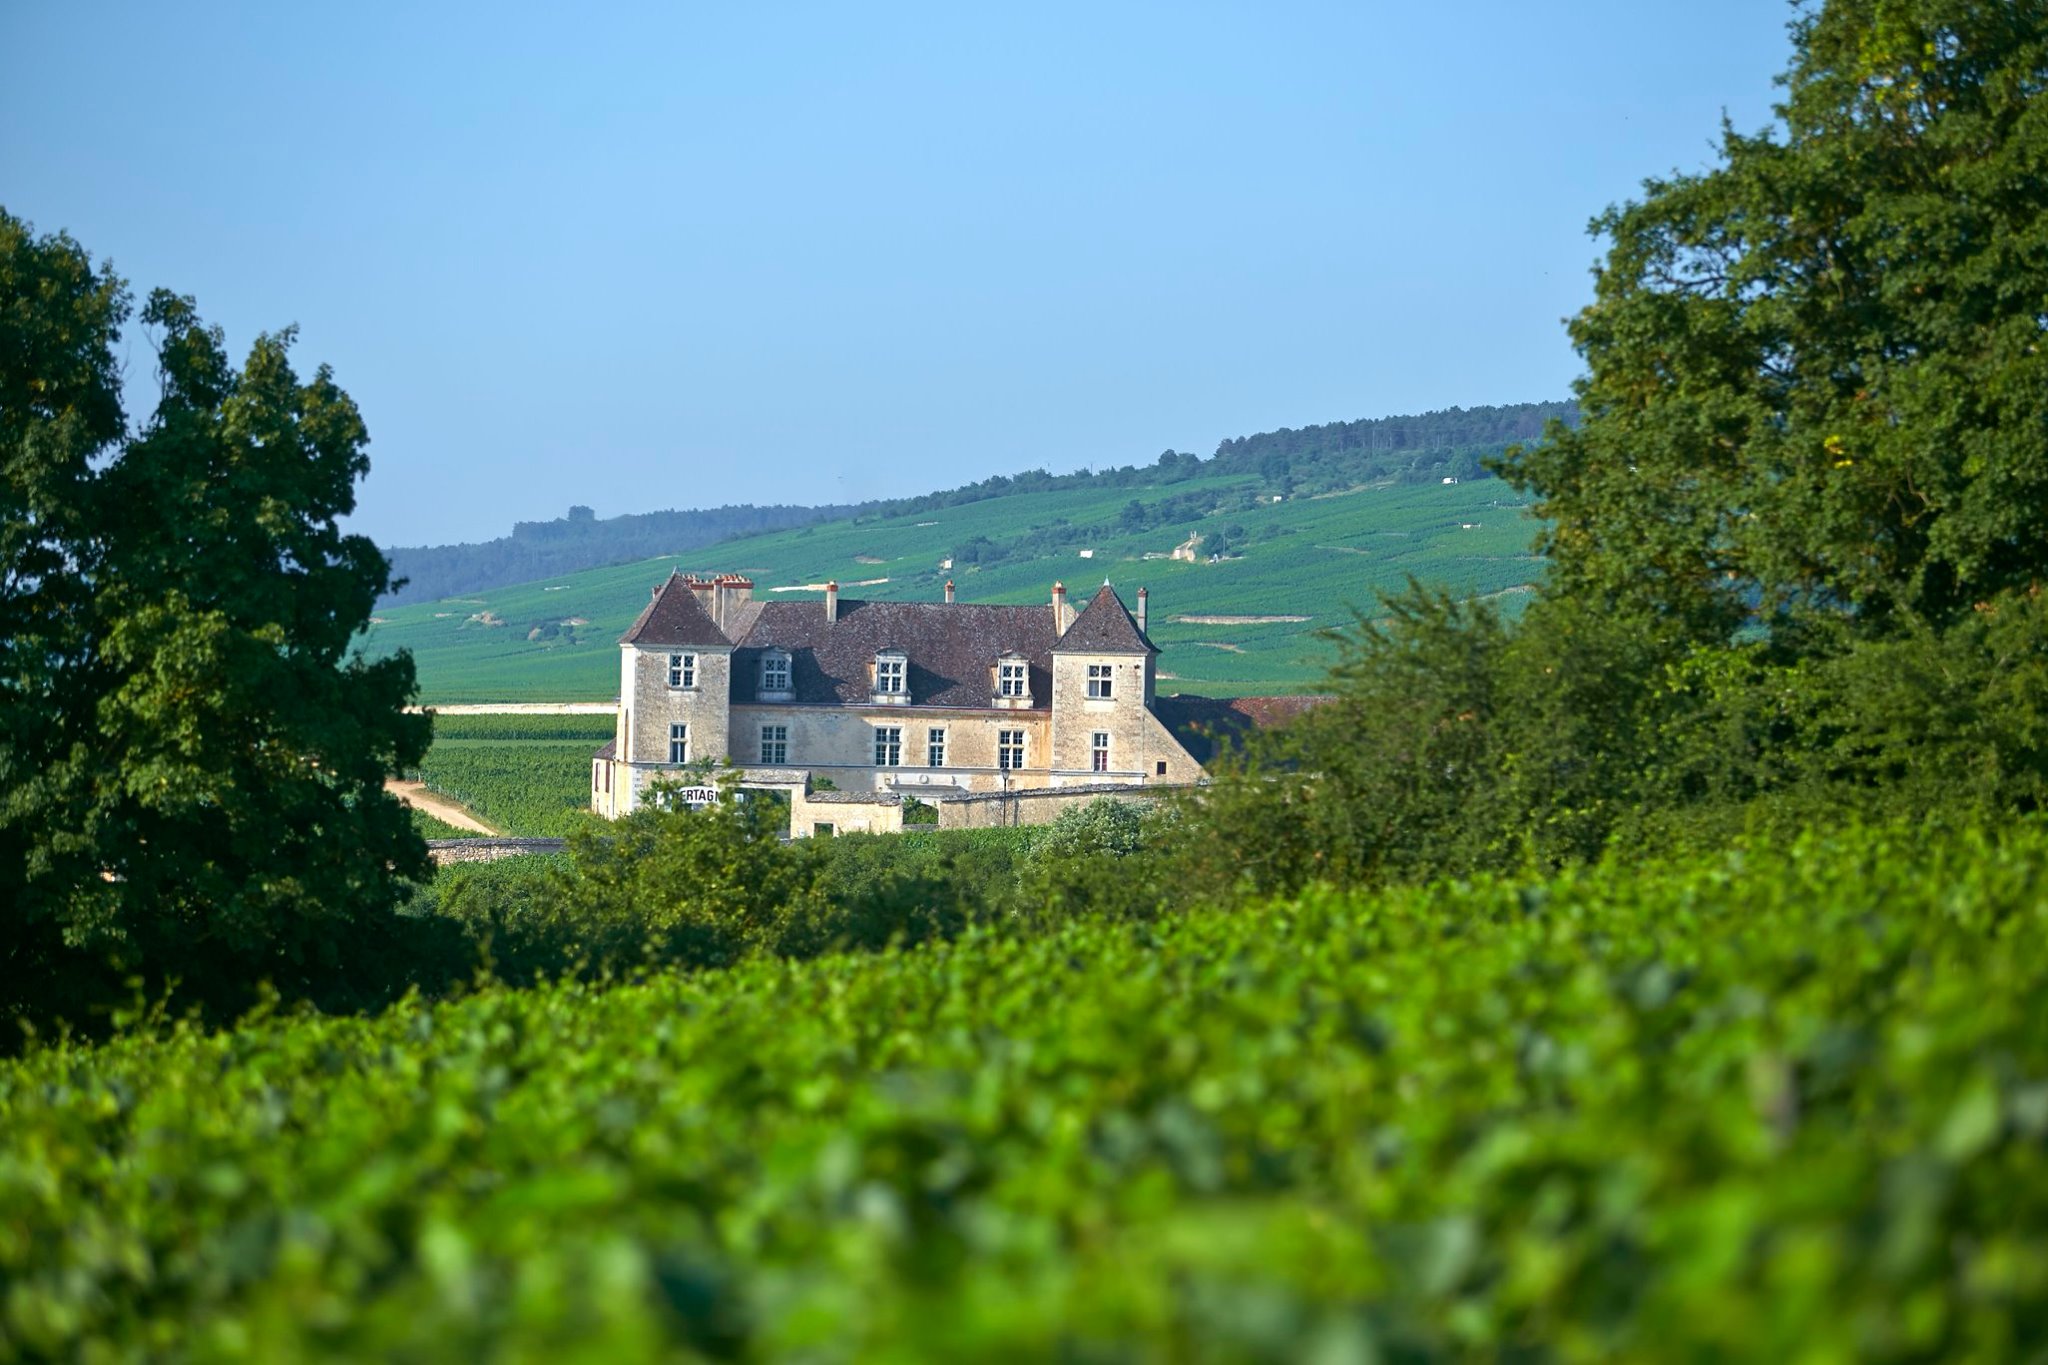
(929, 700)
(994, 810)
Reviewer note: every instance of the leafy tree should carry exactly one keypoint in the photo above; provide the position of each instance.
(1815, 374)
(1109, 858)
(192, 789)
(701, 887)
(60, 409)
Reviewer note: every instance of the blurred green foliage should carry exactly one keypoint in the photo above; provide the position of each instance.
(1785, 1103)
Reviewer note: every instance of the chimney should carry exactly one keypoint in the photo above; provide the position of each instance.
(730, 591)
(1059, 608)
(1142, 595)
(831, 603)
(949, 590)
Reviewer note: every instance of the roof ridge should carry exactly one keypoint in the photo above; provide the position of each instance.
(1105, 625)
(675, 617)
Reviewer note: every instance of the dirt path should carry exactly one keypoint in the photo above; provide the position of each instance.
(1236, 620)
(523, 708)
(416, 795)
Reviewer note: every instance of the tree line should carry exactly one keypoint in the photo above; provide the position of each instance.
(1452, 443)
(580, 540)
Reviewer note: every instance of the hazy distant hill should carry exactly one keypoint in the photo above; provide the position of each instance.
(580, 540)
(1305, 462)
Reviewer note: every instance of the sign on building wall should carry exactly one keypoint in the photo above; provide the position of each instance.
(696, 798)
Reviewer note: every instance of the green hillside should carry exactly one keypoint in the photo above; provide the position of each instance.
(1310, 557)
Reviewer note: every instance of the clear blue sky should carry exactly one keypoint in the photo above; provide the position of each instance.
(641, 256)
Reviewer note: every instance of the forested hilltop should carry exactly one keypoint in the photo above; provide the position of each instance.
(1306, 460)
(580, 540)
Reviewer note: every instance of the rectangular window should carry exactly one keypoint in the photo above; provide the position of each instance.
(1009, 749)
(1100, 750)
(889, 746)
(682, 670)
(775, 744)
(679, 744)
(1012, 680)
(888, 675)
(775, 674)
(935, 748)
(822, 830)
(1162, 767)
(1098, 679)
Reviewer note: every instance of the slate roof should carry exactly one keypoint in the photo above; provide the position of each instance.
(1104, 627)
(610, 749)
(842, 798)
(951, 646)
(674, 617)
(1207, 725)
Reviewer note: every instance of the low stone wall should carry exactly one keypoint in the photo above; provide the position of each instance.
(845, 812)
(1041, 805)
(447, 851)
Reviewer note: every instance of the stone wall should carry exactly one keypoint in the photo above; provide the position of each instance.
(988, 810)
(844, 813)
(447, 851)
(652, 705)
(1141, 748)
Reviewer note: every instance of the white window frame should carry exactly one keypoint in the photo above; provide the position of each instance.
(1009, 750)
(892, 668)
(774, 745)
(682, 670)
(775, 673)
(888, 746)
(935, 747)
(1013, 678)
(1098, 751)
(678, 742)
(1101, 681)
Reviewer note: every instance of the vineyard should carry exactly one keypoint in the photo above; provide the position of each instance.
(1309, 557)
(1776, 1104)
(526, 775)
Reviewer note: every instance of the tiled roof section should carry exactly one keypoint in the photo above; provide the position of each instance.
(855, 798)
(1104, 627)
(610, 749)
(1207, 725)
(952, 649)
(674, 617)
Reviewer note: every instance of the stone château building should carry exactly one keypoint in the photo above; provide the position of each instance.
(995, 714)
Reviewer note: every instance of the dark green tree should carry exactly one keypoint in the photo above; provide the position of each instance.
(1816, 382)
(60, 408)
(196, 793)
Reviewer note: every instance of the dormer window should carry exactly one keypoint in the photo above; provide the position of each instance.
(682, 670)
(892, 674)
(1013, 678)
(775, 684)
